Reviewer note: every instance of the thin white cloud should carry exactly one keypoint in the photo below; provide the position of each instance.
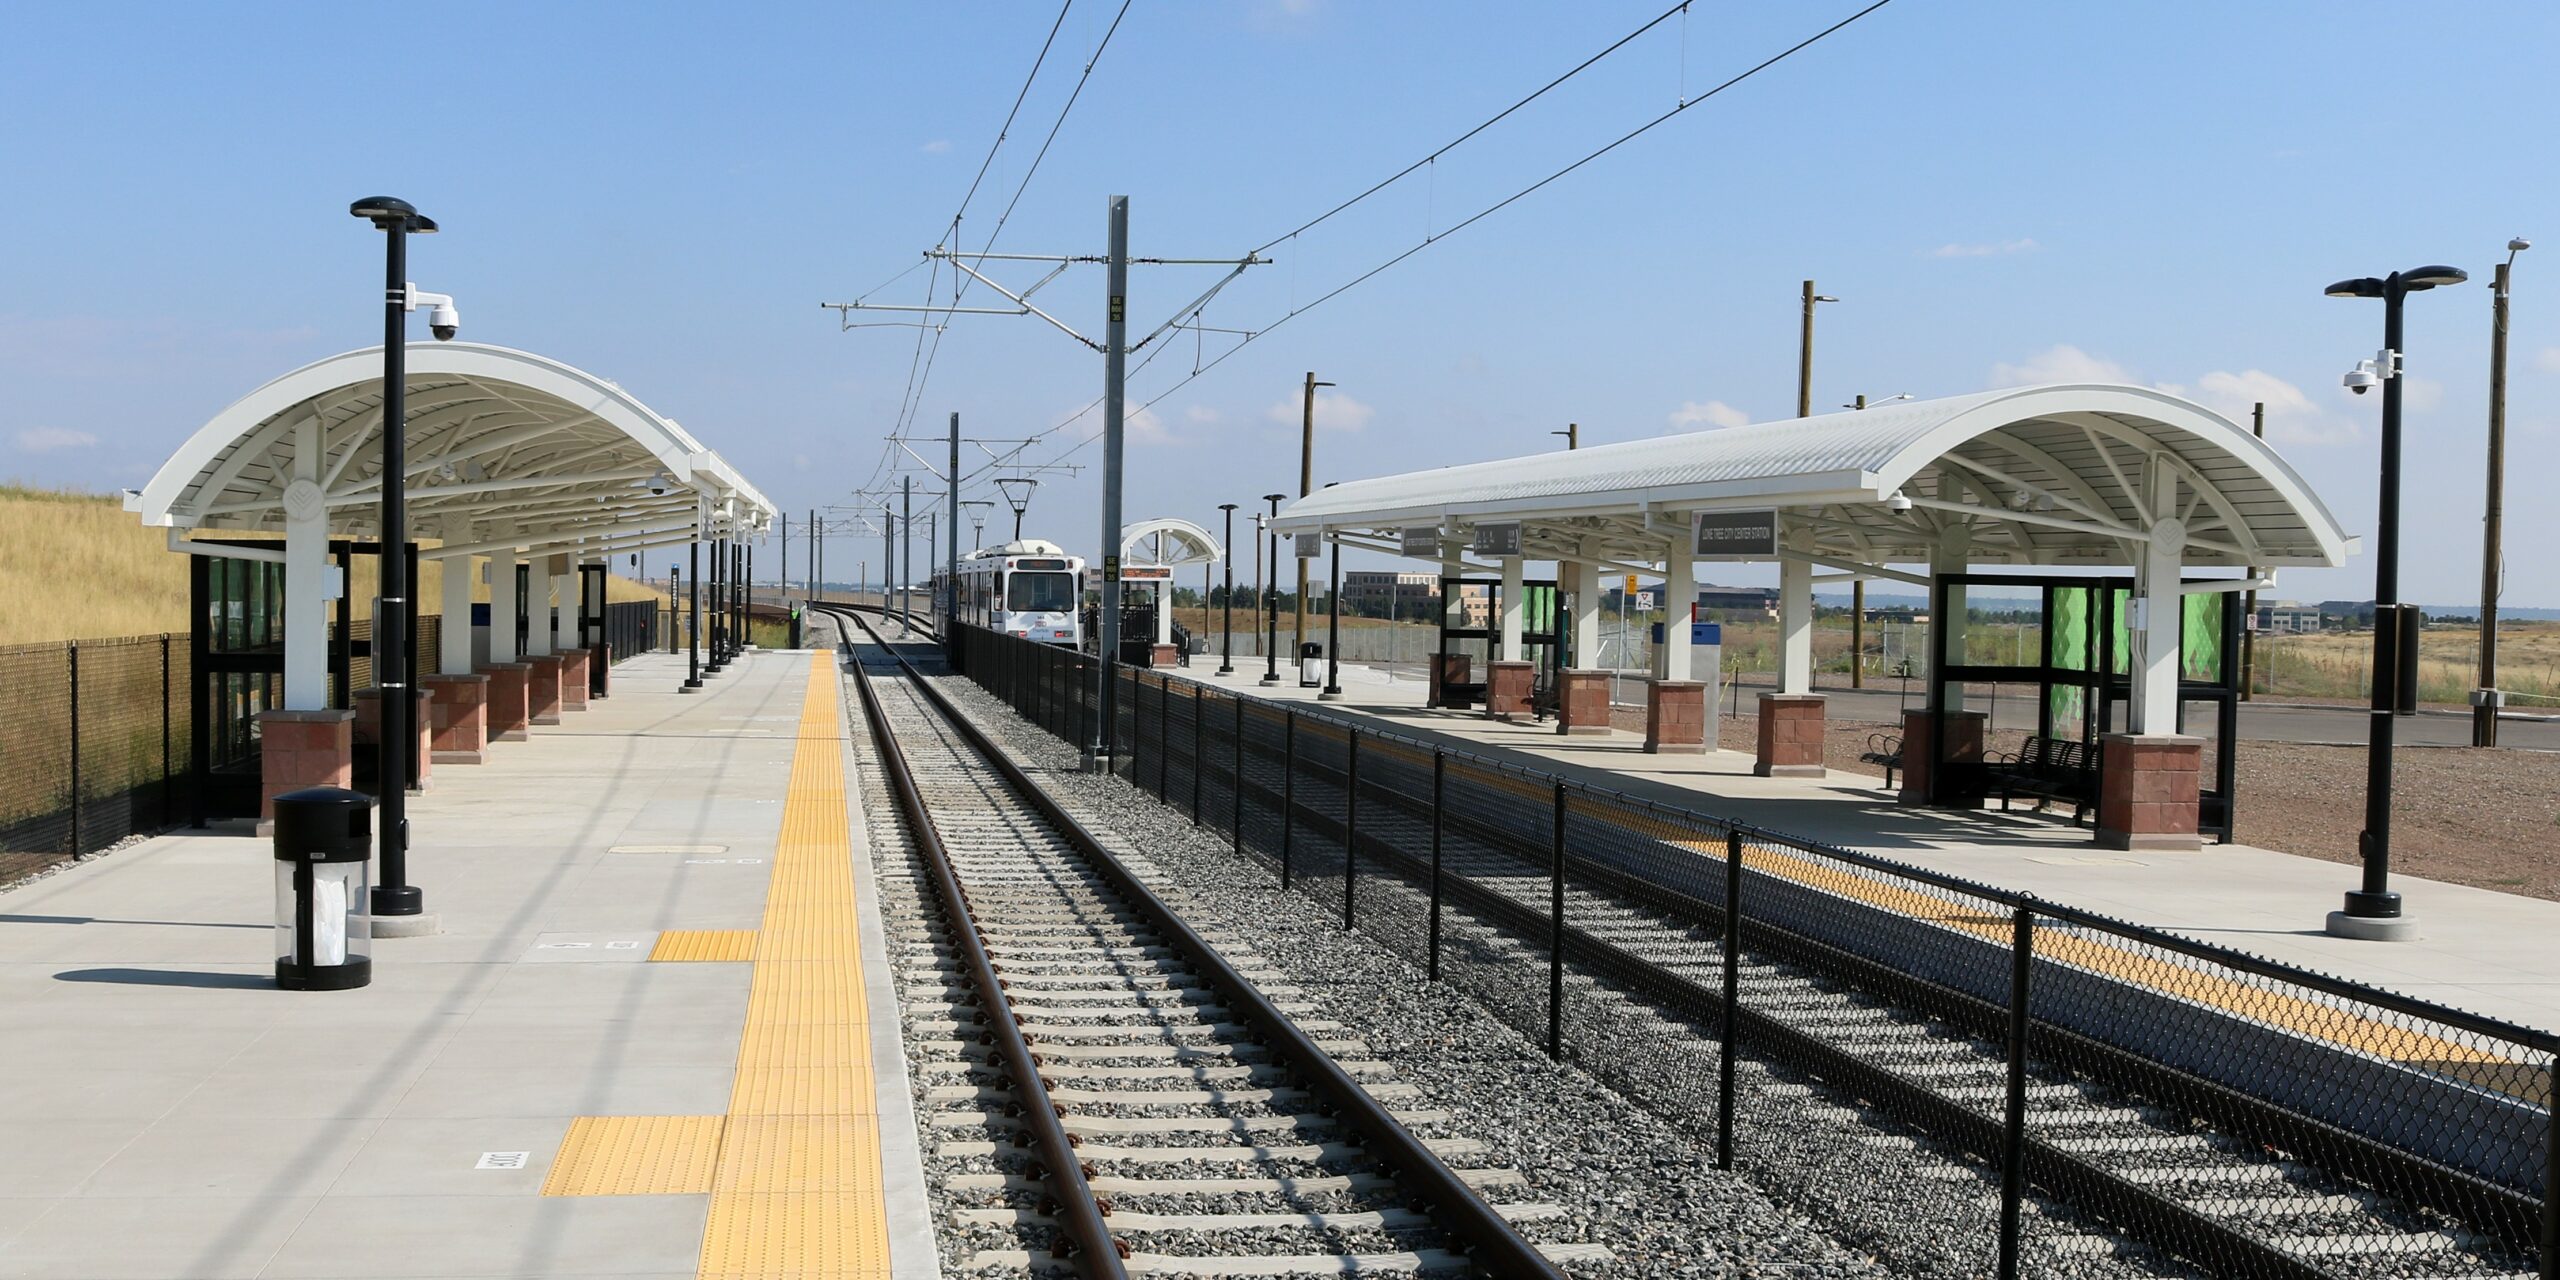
(1987, 249)
(1700, 415)
(2059, 363)
(1200, 414)
(2292, 416)
(1144, 427)
(51, 439)
(2547, 360)
(1334, 412)
(936, 147)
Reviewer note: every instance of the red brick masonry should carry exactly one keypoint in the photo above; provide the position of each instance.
(1790, 736)
(460, 719)
(300, 749)
(1584, 705)
(1675, 718)
(573, 680)
(2147, 791)
(542, 688)
(1506, 690)
(1164, 655)
(421, 717)
(509, 711)
(1963, 745)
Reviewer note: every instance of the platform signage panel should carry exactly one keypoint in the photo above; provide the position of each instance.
(1497, 539)
(1310, 545)
(1736, 535)
(1146, 573)
(1422, 542)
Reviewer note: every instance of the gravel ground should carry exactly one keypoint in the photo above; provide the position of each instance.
(1826, 1189)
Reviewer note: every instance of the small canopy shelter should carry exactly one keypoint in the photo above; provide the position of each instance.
(2074, 474)
(511, 455)
(1151, 550)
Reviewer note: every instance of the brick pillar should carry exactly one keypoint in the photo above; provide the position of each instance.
(1790, 736)
(2147, 791)
(1164, 655)
(1507, 687)
(459, 716)
(509, 707)
(1448, 670)
(542, 689)
(1963, 747)
(1583, 705)
(298, 749)
(1675, 718)
(573, 680)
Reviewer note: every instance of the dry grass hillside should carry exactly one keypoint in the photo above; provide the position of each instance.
(75, 566)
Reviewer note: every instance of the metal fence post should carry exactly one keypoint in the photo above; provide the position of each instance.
(1235, 823)
(2013, 1139)
(1164, 739)
(1288, 790)
(1439, 779)
(2551, 1175)
(1351, 831)
(1732, 997)
(168, 808)
(73, 649)
(1199, 739)
(1555, 934)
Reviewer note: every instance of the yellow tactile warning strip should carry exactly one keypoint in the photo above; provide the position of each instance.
(636, 1156)
(705, 945)
(2306, 1017)
(797, 1190)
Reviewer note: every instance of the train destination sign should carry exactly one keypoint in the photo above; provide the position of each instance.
(1736, 535)
(1421, 541)
(1497, 539)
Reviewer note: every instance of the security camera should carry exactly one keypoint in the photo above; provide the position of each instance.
(2363, 378)
(658, 485)
(1897, 502)
(444, 322)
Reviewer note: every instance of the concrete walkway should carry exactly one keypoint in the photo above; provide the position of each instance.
(168, 1113)
(2492, 953)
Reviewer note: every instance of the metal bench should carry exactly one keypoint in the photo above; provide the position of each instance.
(2049, 769)
(1884, 749)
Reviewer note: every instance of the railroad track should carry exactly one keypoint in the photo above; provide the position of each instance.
(1108, 1091)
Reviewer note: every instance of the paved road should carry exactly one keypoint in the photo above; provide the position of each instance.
(2259, 721)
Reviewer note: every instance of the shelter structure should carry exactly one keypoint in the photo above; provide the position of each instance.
(2087, 476)
(530, 468)
(1150, 552)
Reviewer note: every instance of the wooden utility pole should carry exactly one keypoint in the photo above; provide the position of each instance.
(2484, 710)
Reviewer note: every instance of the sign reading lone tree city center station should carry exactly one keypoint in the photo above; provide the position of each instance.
(1737, 535)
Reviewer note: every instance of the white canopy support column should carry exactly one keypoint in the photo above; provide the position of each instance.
(1948, 556)
(1164, 611)
(1514, 608)
(537, 609)
(454, 655)
(1795, 612)
(564, 584)
(1586, 614)
(2158, 630)
(306, 598)
(1680, 594)
(501, 569)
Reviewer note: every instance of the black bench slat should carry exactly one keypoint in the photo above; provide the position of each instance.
(2049, 769)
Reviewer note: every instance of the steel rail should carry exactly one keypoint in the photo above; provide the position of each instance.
(1076, 1207)
(1498, 1248)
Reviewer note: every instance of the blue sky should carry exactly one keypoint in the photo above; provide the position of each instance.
(1998, 190)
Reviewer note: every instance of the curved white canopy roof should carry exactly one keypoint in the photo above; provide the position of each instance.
(1168, 542)
(506, 449)
(2033, 475)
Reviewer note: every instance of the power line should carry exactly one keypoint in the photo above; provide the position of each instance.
(1006, 129)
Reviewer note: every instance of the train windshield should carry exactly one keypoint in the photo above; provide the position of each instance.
(1041, 592)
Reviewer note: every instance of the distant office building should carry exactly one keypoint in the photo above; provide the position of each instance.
(1715, 601)
(2292, 617)
(1378, 595)
(2347, 613)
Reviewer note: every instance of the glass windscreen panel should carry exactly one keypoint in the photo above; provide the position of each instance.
(1041, 592)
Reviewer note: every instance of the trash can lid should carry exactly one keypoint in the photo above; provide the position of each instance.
(323, 824)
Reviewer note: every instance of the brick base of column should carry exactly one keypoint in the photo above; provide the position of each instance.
(1675, 718)
(459, 718)
(1164, 655)
(542, 689)
(573, 680)
(298, 749)
(1507, 687)
(2147, 791)
(1962, 747)
(509, 705)
(1582, 706)
(1791, 727)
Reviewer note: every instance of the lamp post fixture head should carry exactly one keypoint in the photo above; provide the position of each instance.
(2430, 277)
(1228, 506)
(1824, 297)
(2360, 287)
(387, 212)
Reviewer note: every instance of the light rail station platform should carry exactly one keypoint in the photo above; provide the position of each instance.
(2491, 953)
(655, 1036)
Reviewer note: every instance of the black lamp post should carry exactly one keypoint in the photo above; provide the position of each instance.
(397, 219)
(1271, 601)
(1227, 627)
(2375, 900)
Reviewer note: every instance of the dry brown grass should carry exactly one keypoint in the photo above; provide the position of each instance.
(75, 566)
(2335, 664)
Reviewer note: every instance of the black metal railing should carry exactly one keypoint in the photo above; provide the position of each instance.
(94, 734)
(630, 628)
(2093, 1078)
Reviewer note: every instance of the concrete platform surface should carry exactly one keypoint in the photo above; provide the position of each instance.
(2488, 952)
(169, 1113)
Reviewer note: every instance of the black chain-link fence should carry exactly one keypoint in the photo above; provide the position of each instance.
(94, 737)
(2037, 1083)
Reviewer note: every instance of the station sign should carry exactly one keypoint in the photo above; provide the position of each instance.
(1736, 535)
(1310, 545)
(1497, 539)
(1422, 542)
(1146, 573)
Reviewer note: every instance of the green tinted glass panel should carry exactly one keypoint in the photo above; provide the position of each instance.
(2200, 637)
(2069, 616)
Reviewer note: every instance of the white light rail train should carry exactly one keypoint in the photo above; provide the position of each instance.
(1028, 588)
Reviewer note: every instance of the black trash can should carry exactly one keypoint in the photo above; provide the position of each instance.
(1311, 665)
(323, 844)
